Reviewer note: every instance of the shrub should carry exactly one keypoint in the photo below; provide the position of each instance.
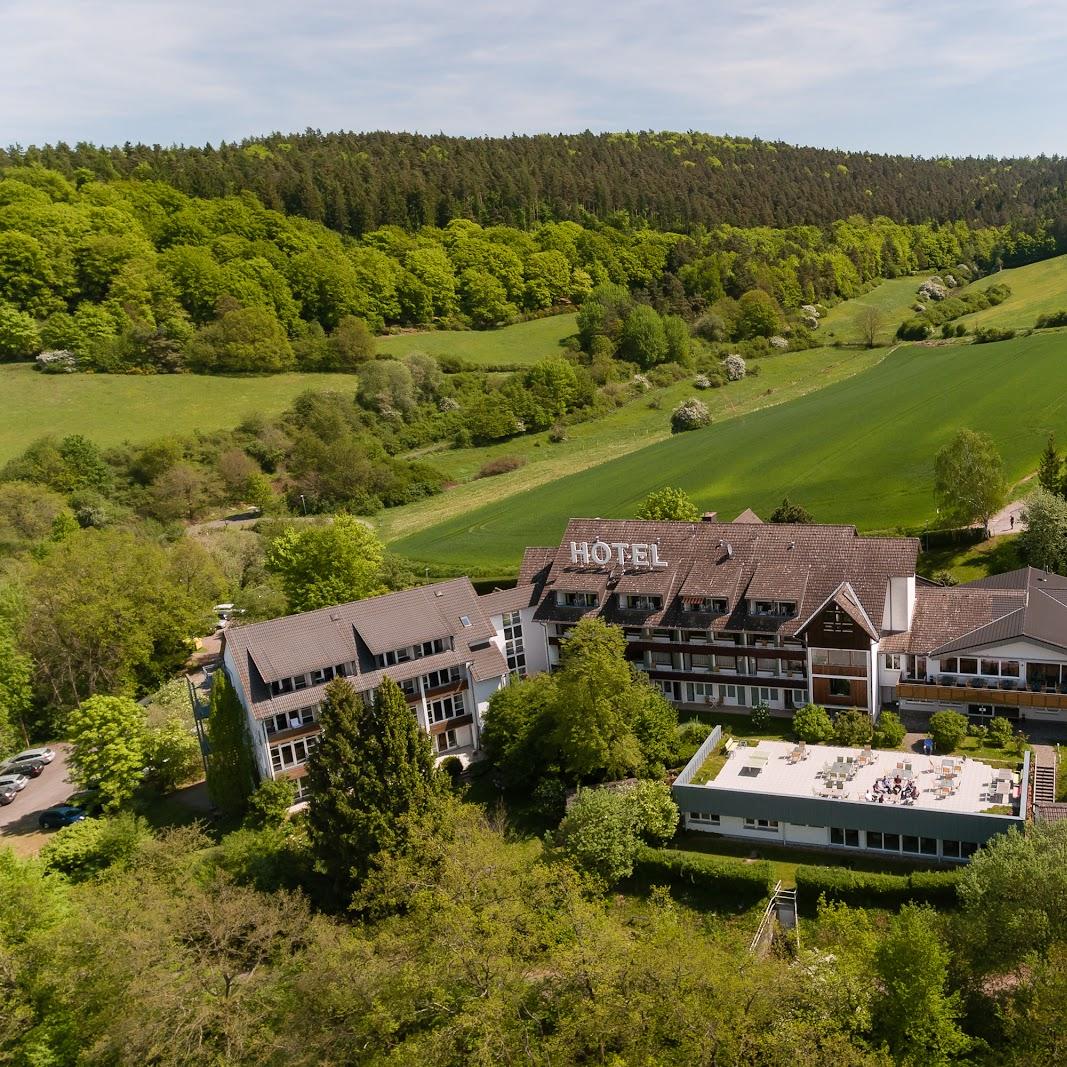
(852, 727)
(999, 731)
(984, 335)
(863, 889)
(692, 733)
(550, 799)
(689, 415)
(452, 768)
(598, 835)
(948, 729)
(1051, 320)
(734, 367)
(811, 723)
(270, 803)
(915, 329)
(500, 465)
(889, 732)
(558, 434)
(654, 811)
(978, 731)
(701, 381)
(729, 879)
(86, 848)
(761, 716)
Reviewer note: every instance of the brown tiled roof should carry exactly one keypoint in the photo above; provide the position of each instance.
(535, 562)
(721, 559)
(354, 633)
(500, 601)
(1025, 603)
(488, 663)
(748, 515)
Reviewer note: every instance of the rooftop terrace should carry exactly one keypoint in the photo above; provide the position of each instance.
(941, 783)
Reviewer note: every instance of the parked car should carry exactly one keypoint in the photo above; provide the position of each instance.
(31, 768)
(44, 755)
(17, 781)
(7, 794)
(60, 815)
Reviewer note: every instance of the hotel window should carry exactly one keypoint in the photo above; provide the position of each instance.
(430, 648)
(446, 740)
(644, 603)
(840, 687)
(891, 842)
(300, 682)
(910, 843)
(700, 662)
(514, 650)
(848, 838)
(761, 824)
(928, 846)
(728, 693)
(702, 690)
(968, 849)
(704, 817)
(447, 708)
(874, 839)
(950, 849)
(324, 674)
(800, 696)
(292, 720)
(442, 677)
(968, 665)
(838, 621)
(282, 685)
(578, 600)
(303, 789)
(892, 661)
(293, 753)
(766, 695)
(726, 663)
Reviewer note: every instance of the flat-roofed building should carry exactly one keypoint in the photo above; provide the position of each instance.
(435, 641)
(938, 807)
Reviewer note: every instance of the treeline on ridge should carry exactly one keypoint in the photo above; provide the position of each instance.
(358, 182)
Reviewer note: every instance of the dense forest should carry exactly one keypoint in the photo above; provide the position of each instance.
(134, 275)
(358, 182)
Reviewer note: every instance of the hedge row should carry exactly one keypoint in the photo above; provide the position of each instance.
(861, 888)
(734, 879)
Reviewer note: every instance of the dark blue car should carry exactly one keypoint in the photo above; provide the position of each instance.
(60, 815)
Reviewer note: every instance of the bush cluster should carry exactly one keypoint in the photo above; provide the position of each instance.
(868, 889)
(734, 880)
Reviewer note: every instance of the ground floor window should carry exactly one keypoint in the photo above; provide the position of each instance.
(446, 740)
(800, 696)
(840, 687)
(728, 693)
(701, 816)
(761, 824)
(764, 694)
(849, 838)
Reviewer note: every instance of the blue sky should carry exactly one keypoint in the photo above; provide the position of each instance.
(927, 78)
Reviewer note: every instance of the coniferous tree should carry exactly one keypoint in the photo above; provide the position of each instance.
(231, 770)
(1049, 471)
(372, 776)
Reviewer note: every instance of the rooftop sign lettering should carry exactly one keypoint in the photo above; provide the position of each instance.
(602, 553)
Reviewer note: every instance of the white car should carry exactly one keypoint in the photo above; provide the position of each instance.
(14, 781)
(31, 755)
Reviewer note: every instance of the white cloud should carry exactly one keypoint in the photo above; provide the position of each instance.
(888, 74)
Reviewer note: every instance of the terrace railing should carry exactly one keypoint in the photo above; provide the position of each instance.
(710, 743)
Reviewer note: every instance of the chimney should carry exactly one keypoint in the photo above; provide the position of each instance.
(729, 550)
(709, 516)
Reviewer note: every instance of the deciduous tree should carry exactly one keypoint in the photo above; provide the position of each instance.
(107, 747)
(668, 504)
(969, 483)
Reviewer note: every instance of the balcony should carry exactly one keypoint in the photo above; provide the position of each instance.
(973, 694)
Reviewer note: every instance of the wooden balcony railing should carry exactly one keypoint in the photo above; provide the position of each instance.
(967, 694)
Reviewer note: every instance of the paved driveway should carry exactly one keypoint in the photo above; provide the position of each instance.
(19, 818)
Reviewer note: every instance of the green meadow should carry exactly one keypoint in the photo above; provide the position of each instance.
(892, 299)
(525, 342)
(113, 408)
(857, 451)
(1036, 289)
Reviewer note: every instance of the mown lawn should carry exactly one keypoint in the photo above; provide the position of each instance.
(857, 451)
(113, 408)
(525, 342)
(968, 562)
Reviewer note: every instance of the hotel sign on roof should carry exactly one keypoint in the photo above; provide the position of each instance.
(624, 553)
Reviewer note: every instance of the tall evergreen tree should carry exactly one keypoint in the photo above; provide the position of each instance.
(372, 776)
(1050, 470)
(231, 770)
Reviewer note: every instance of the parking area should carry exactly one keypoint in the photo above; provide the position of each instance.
(18, 820)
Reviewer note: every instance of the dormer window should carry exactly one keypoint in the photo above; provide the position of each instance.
(643, 602)
(838, 621)
(782, 609)
(706, 605)
(577, 600)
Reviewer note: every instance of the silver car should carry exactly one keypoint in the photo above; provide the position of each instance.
(30, 755)
(15, 781)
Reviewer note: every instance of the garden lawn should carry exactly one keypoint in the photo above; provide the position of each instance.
(625, 430)
(892, 299)
(523, 343)
(1036, 289)
(968, 562)
(110, 409)
(857, 451)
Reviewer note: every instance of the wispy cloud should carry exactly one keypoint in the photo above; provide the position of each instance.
(884, 74)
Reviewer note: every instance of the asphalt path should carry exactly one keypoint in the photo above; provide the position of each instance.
(53, 787)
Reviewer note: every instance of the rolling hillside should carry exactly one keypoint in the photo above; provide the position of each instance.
(1036, 289)
(523, 343)
(858, 451)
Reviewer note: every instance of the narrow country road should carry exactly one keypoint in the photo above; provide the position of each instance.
(1002, 523)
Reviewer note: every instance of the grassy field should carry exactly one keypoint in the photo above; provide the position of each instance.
(626, 430)
(1036, 289)
(858, 451)
(113, 408)
(525, 342)
(892, 298)
(967, 562)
